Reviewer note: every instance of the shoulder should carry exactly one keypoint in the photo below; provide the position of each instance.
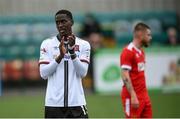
(128, 49)
(48, 41)
(82, 42)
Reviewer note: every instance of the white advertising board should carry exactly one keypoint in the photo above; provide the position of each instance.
(107, 69)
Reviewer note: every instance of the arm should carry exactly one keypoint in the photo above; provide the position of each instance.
(80, 67)
(80, 63)
(126, 66)
(127, 82)
(48, 68)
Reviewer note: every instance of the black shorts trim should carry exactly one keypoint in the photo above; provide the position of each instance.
(66, 112)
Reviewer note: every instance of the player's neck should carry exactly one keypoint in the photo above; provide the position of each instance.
(136, 43)
(59, 37)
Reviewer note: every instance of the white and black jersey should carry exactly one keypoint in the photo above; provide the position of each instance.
(54, 72)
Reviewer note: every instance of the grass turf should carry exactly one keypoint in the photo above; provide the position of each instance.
(164, 105)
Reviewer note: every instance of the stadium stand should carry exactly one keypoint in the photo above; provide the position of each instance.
(21, 36)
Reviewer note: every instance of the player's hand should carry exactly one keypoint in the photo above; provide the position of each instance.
(71, 40)
(71, 44)
(62, 48)
(134, 101)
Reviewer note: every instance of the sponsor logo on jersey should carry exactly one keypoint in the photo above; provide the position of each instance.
(141, 66)
(67, 56)
(56, 47)
(43, 50)
(137, 55)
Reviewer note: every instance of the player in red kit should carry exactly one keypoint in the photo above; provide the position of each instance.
(135, 99)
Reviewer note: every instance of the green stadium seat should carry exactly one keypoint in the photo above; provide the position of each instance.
(122, 27)
(6, 34)
(2, 52)
(123, 39)
(155, 25)
(160, 38)
(31, 52)
(14, 52)
(103, 17)
(24, 30)
(168, 18)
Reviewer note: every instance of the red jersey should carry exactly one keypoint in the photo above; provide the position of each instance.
(133, 59)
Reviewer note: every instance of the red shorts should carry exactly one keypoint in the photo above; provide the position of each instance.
(143, 111)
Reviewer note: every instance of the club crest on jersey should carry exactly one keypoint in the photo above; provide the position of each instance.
(56, 47)
(141, 66)
(43, 50)
(76, 48)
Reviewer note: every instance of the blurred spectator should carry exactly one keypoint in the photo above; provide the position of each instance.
(172, 36)
(91, 31)
(90, 25)
(95, 39)
(174, 74)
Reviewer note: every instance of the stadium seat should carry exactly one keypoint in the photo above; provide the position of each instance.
(31, 51)
(37, 33)
(122, 27)
(103, 17)
(41, 31)
(155, 25)
(169, 19)
(14, 52)
(21, 34)
(160, 38)
(123, 39)
(135, 21)
(76, 28)
(2, 53)
(31, 70)
(7, 34)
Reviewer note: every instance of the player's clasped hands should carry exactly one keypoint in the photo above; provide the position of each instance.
(71, 43)
(71, 40)
(62, 48)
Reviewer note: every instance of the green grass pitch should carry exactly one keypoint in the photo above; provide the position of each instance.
(164, 105)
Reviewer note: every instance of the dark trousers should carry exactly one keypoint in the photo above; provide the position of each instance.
(66, 112)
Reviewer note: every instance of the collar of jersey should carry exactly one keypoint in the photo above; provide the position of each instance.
(138, 50)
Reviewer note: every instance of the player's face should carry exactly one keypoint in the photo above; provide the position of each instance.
(146, 37)
(63, 24)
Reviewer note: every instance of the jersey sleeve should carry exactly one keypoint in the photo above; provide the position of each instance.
(85, 54)
(126, 59)
(44, 55)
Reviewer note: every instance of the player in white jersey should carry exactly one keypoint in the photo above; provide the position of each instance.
(61, 101)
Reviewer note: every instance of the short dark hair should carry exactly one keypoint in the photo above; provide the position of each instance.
(140, 27)
(67, 12)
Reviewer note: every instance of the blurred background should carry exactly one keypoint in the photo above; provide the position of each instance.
(107, 25)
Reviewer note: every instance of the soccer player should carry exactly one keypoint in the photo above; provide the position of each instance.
(62, 101)
(135, 99)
